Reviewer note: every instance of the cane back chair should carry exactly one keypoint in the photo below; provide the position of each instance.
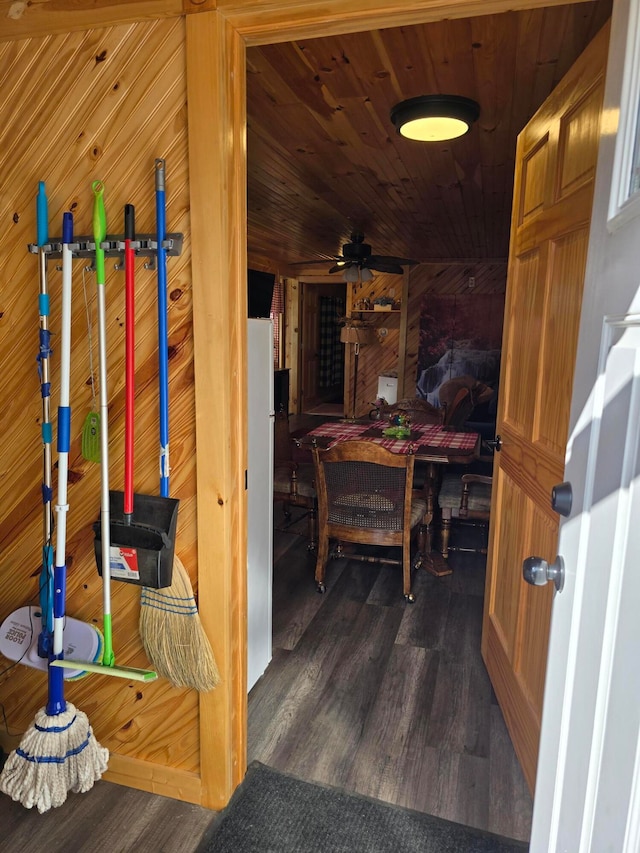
(365, 497)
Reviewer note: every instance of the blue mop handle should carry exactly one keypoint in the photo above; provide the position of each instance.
(42, 215)
(45, 638)
(163, 335)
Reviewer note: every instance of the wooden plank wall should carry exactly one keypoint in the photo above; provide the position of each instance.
(96, 104)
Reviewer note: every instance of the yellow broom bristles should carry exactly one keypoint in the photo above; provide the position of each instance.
(173, 636)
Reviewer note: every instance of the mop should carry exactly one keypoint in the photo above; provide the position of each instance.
(108, 665)
(170, 627)
(59, 752)
(18, 640)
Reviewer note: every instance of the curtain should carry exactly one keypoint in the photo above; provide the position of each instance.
(331, 356)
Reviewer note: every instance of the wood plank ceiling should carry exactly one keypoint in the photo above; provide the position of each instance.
(324, 159)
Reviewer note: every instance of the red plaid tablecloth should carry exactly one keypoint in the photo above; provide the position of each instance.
(425, 439)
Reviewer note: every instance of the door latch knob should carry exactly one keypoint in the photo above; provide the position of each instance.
(538, 572)
(562, 498)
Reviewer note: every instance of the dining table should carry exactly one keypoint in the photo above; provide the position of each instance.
(433, 444)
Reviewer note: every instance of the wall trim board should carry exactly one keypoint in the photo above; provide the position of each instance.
(216, 99)
(155, 778)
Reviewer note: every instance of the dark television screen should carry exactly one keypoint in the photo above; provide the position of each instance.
(260, 292)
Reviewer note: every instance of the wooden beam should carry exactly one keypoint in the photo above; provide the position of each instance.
(292, 342)
(402, 341)
(191, 6)
(216, 104)
(270, 21)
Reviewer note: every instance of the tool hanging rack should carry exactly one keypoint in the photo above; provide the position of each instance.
(146, 245)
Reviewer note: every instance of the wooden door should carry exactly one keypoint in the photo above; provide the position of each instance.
(553, 192)
(588, 797)
(313, 391)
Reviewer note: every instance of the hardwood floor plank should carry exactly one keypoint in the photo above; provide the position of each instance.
(327, 736)
(387, 590)
(295, 598)
(460, 712)
(401, 706)
(424, 623)
(451, 786)
(463, 630)
(276, 713)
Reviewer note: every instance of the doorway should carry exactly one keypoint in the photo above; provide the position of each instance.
(308, 388)
(322, 353)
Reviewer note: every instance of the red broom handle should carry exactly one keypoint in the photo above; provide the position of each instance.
(129, 284)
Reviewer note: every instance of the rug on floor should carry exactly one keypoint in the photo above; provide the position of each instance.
(272, 812)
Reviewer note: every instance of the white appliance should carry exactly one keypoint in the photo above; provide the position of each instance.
(388, 388)
(260, 498)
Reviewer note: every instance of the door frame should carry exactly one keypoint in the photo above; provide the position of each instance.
(216, 84)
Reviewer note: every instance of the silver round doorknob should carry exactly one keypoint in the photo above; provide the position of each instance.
(539, 572)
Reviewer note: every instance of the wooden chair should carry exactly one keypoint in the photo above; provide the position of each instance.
(465, 498)
(458, 411)
(293, 482)
(365, 496)
(460, 396)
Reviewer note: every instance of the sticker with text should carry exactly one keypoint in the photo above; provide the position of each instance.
(124, 563)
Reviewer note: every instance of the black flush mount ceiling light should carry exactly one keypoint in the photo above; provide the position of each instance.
(434, 118)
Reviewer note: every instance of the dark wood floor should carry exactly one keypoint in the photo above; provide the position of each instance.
(387, 699)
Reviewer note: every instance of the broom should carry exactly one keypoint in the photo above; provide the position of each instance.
(58, 753)
(170, 627)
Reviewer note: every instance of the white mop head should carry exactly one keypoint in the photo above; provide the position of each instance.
(57, 755)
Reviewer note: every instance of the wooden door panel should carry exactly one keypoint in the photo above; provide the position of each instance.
(524, 312)
(578, 143)
(534, 180)
(566, 265)
(520, 715)
(536, 609)
(509, 538)
(555, 166)
(534, 468)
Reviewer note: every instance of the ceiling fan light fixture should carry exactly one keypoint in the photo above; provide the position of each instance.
(351, 274)
(366, 274)
(434, 118)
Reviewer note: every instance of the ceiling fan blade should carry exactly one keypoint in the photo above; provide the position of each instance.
(382, 265)
(391, 259)
(314, 261)
(343, 265)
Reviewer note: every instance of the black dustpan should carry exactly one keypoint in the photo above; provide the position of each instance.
(142, 549)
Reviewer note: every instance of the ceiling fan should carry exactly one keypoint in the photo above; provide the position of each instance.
(357, 254)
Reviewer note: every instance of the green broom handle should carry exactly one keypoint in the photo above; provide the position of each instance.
(99, 236)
